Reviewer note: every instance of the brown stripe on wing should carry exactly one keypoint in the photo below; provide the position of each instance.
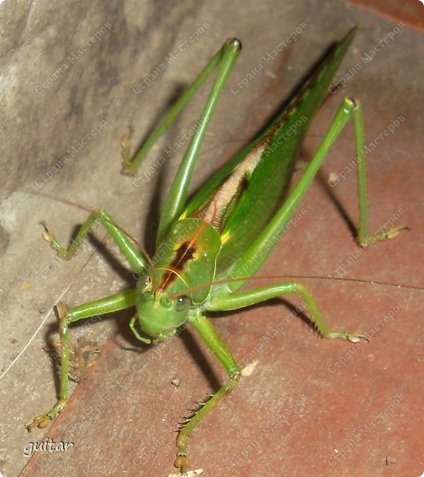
(183, 254)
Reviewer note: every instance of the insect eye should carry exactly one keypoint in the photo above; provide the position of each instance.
(181, 302)
(144, 284)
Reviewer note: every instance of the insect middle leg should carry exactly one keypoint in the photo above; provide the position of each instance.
(110, 304)
(243, 299)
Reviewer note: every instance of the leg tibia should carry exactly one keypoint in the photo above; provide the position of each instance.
(364, 238)
(239, 300)
(182, 462)
(125, 243)
(259, 250)
(99, 307)
(130, 164)
(218, 348)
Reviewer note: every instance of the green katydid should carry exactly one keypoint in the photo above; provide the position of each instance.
(209, 246)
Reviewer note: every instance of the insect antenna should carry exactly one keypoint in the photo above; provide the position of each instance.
(358, 280)
(58, 199)
(171, 270)
(300, 277)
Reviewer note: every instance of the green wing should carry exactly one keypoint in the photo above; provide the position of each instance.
(243, 195)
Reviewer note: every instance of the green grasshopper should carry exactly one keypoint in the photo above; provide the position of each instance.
(209, 246)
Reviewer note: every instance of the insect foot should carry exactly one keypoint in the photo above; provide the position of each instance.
(48, 235)
(44, 419)
(390, 233)
(181, 462)
(39, 421)
(347, 335)
(385, 234)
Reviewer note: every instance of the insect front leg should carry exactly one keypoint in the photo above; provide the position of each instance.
(239, 300)
(125, 243)
(119, 301)
(219, 349)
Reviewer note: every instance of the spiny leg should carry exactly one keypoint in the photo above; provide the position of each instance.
(119, 301)
(125, 243)
(208, 333)
(261, 247)
(251, 297)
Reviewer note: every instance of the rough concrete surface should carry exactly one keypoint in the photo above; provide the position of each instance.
(73, 76)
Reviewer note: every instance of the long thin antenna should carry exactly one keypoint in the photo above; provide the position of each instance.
(300, 277)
